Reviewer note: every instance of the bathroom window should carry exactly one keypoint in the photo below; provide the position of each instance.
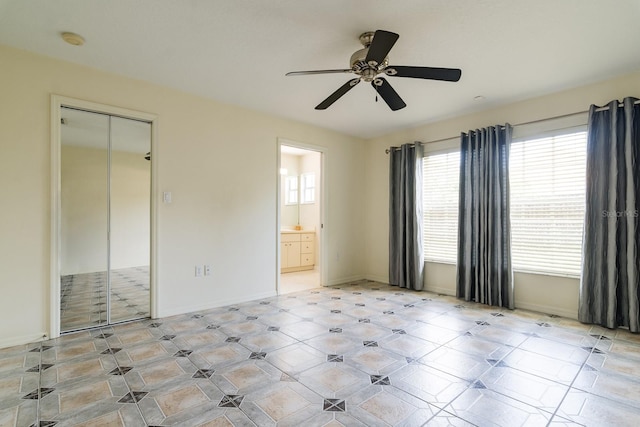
(291, 190)
(308, 188)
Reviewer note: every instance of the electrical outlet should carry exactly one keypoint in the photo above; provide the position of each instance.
(207, 270)
(198, 271)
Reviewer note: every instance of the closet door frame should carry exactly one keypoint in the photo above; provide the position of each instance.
(57, 102)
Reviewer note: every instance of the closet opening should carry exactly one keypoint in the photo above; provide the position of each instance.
(102, 257)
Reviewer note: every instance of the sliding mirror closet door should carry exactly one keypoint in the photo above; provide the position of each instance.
(105, 190)
(130, 216)
(84, 219)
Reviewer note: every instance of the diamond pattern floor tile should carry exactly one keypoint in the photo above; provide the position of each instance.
(359, 354)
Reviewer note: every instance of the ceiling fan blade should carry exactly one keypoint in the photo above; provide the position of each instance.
(445, 74)
(305, 73)
(389, 94)
(382, 43)
(337, 94)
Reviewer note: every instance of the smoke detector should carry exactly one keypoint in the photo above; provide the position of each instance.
(72, 38)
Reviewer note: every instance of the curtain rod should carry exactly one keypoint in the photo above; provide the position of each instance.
(562, 116)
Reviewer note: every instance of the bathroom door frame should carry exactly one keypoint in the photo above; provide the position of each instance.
(322, 198)
(57, 102)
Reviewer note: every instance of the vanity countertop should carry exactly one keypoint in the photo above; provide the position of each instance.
(292, 231)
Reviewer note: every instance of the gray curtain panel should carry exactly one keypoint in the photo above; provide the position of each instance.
(406, 263)
(484, 272)
(609, 289)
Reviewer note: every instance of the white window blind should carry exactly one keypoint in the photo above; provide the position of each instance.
(441, 173)
(547, 191)
(308, 188)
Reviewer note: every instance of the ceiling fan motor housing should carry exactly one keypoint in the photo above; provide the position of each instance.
(358, 63)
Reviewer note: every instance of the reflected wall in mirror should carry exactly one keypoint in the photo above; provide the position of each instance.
(105, 187)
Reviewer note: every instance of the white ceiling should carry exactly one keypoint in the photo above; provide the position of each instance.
(238, 51)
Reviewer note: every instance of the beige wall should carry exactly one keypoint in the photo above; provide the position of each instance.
(553, 295)
(218, 216)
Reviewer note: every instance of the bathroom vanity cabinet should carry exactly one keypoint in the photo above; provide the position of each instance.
(297, 251)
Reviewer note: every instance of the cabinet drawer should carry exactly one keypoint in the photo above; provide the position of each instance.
(289, 237)
(306, 259)
(307, 247)
(307, 237)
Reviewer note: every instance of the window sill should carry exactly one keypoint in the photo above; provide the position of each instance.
(436, 261)
(543, 273)
(535, 273)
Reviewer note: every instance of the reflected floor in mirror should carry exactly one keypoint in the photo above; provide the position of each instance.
(359, 354)
(83, 297)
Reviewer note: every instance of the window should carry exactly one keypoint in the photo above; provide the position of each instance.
(308, 188)
(291, 190)
(547, 191)
(441, 173)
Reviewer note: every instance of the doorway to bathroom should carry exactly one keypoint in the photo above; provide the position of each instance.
(301, 224)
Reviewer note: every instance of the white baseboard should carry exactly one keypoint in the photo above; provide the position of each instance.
(440, 290)
(558, 311)
(22, 340)
(343, 280)
(214, 304)
(380, 279)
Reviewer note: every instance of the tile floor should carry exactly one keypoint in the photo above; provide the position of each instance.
(299, 281)
(83, 297)
(362, 354)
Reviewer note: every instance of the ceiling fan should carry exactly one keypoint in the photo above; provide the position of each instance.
(372, 60)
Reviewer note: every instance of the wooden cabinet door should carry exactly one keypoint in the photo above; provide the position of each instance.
(293, 254)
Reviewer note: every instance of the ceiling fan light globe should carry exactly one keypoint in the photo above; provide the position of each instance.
(369, 74)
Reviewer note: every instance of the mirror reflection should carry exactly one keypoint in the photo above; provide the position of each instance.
(104, 219)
